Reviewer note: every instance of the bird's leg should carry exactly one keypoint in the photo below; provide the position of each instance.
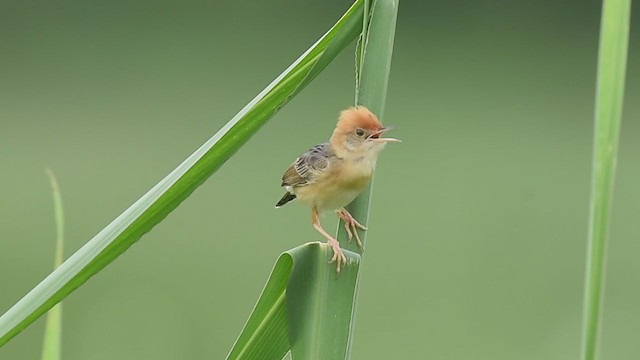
(351, 225)
(338, 255)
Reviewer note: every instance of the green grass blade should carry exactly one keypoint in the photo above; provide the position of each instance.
(371, 91)
(52, 346)
(361, 42)
(612, 58)
(58, 212)
(375, 65)
(158, 202)
(303, 290)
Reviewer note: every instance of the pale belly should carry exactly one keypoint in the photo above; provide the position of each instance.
(331, 193)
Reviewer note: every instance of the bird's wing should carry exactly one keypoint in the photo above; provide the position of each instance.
(309, 166)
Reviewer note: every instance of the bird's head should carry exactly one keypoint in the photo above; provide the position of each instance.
(359, 133)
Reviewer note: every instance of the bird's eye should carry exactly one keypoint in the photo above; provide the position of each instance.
(360, 132)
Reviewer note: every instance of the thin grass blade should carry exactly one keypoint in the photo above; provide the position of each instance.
(612, 59)
(362, 43)
(52, 346)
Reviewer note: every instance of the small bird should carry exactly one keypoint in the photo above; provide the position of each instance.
(331, 175)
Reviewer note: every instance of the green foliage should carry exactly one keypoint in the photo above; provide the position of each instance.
(614, 35)
(163, 198)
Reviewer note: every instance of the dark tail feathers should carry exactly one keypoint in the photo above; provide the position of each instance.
(285, 199)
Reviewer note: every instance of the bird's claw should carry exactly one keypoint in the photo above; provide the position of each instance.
(348, 228)
(351, 225)
(338, 255)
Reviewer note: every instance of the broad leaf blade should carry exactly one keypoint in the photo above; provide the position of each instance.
(320, 303)
(305, 304)
(163, 198)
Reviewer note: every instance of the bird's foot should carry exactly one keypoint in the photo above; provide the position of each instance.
(338, 255)
(351, 225)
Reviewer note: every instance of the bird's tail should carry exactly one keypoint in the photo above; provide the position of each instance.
(285, 199)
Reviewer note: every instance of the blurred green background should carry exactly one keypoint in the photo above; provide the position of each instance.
(479, 221)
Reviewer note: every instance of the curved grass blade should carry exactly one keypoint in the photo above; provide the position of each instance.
(612, 59)
(165, 196)
(52, 346)
(303, 289)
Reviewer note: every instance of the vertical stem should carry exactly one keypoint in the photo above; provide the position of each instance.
(373, 65)
(58, 212)
(52, 345)
(371, 91)
(614, 34)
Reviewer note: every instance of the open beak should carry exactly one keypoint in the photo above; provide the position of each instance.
(377, 136)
